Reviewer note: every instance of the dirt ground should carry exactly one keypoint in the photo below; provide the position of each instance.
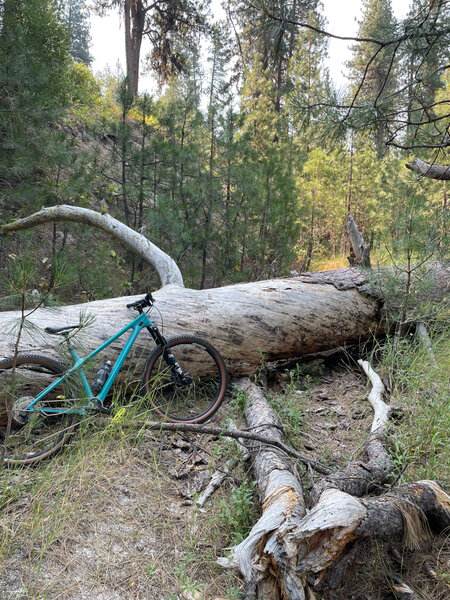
(114, 517)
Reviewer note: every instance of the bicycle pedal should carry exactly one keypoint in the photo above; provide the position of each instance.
(99, 408)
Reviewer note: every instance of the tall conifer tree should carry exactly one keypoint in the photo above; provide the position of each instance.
(373, 72)
(76, 16)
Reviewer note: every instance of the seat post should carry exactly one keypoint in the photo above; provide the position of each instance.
(67, 339)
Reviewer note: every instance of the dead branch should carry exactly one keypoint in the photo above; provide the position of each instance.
(222, 473)
(165, 266)
(359, 478)
(361, 251)
(429, 170)
(237, 434)
(282, 502)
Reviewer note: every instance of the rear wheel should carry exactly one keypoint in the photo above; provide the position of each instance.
(34, 434)
(194, 396)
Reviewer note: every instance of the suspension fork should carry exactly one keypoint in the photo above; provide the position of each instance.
(177, 371)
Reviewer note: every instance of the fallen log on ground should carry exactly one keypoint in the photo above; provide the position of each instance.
(248, 323)
(361, 476)
(281, 495)
(291, 553)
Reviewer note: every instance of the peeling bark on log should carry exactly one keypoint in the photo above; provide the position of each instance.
(285, 555)
(317, 541)
(281, 498)
(339, 519)
(248, 323)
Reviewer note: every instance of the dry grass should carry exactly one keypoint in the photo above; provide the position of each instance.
(426, 570)
(112, 516)
(107, 520)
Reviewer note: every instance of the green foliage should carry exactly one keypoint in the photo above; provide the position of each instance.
(379, 73)
(33, 93)
(75, 14)
(417, 239)
(232, 191)
(419, 383)
(289, 406)
(84, 88)
(238, 400)
(238, 513)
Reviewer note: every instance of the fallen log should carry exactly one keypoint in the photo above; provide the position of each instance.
(248, 323)
(290, 553)
(360, 477)
(282, 500)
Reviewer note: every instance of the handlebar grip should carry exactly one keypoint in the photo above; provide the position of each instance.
(146, 301)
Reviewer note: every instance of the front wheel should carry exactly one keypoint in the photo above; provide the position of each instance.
(196, 394)
(34, 433)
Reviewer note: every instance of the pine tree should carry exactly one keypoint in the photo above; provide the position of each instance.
(272, 41)
(373, 71)
(75, 14)
(34, 75)
(310, 85)
(422, 60)
(272, 204)
(171, 27)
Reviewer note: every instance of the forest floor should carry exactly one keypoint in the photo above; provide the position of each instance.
(113, 517)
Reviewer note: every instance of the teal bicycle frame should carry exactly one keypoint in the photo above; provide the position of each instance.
(136, 325)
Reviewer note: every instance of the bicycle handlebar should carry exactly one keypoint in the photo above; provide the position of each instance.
(148, 300)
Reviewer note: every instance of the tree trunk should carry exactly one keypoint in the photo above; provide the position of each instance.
(134, 16)
(249, 323)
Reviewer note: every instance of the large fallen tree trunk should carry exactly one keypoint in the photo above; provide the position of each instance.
(249, 323)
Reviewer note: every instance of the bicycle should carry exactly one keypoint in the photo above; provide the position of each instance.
(184, 379)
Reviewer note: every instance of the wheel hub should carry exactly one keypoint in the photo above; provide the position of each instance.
(19, 412)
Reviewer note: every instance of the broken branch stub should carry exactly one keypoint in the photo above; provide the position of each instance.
(360, 254)
(432, 171)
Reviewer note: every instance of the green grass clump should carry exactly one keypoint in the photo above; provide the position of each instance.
(239, 512)
(420, 384)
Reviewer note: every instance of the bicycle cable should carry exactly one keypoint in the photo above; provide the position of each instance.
(160, 316)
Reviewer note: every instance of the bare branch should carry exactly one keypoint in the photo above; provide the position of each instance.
(166, 267)
(427, 170)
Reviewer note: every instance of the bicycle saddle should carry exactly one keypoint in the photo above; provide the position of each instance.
(60, 330)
